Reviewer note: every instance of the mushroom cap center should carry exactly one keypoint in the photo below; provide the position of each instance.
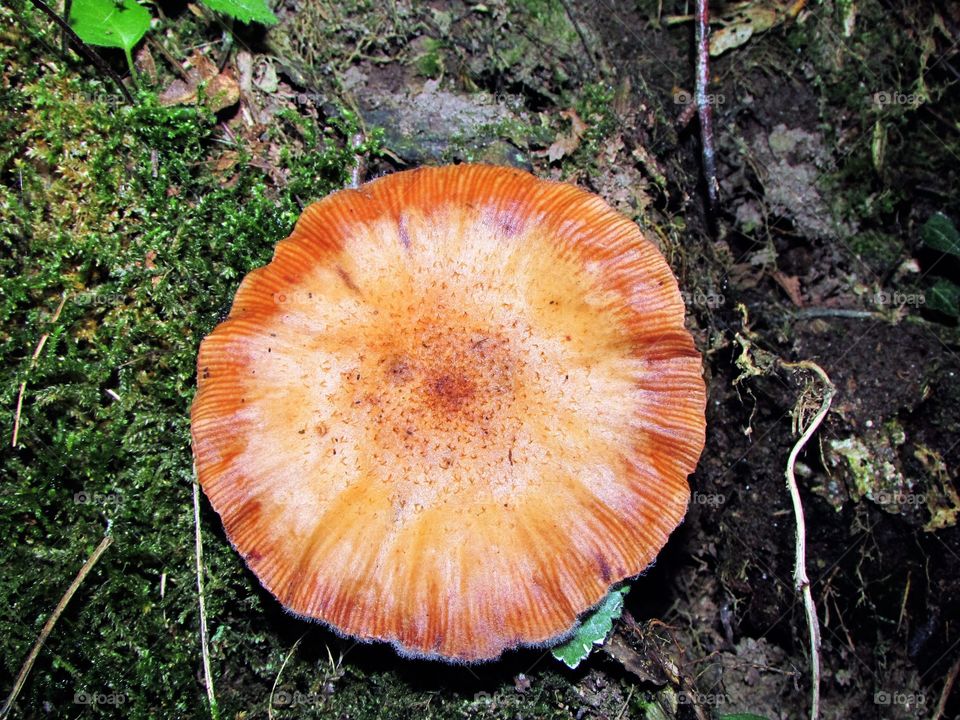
(440, 388)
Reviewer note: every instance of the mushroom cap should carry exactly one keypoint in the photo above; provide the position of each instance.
(457, 407)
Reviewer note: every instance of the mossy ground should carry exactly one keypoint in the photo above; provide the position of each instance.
(125, 231)
(115, 214)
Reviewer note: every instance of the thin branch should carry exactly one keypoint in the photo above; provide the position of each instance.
(204, 642)
(51, 621)
(64, 40)
(947, 688)
(824, 312)
(276, 680)
(800, 580)
(33, 361)
(583, 38)
(704, 108)
(88, 51)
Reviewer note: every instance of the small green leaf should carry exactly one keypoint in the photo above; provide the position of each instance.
(107, 23)
(244, 10)
(939, 233)
(944, 297)
(593, 630)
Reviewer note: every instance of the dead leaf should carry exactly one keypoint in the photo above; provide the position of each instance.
(220, 90)
(199, 67)
(145, 64)
(179, 92)
(790, 285)
(226, 161)
(611, 148)
(744, 20)
(567, 143)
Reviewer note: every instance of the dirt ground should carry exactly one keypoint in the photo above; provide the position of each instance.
(717, 624)
(837, 141)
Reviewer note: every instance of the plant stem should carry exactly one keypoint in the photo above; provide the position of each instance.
(51, 621)
(800, 580)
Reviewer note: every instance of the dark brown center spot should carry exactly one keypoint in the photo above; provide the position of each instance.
(452, 391)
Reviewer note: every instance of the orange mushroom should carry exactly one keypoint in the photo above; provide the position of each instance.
(458, 405)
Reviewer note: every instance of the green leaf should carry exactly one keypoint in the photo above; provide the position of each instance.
(944, 297)
(106, 23)
(244, 10)
(939, 233)
(593, 630)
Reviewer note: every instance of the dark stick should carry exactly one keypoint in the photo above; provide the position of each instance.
(64, 40)
(583, 38)
(88, 51)
(704, 109)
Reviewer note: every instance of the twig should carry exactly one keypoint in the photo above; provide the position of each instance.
(359, 168)
(204, 645)
(583, 38)
(626, 703)
(947, 688)
(704, 108)
(64, 40)
(33, 361)
(276, 680)
(51, 621)
(171, 60)
(88, 51)
(800, 580)
(823, 312)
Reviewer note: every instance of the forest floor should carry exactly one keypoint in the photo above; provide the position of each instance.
(126, 229)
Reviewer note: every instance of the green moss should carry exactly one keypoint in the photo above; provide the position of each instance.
(594, 105)
(116, 213)
(880, 251)
(429, 62)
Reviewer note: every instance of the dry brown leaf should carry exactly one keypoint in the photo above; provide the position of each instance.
(145, 64)
(220, 90)
(199, 67)
(790, 285)
(744, 20)
(567, 143)
(179, 92)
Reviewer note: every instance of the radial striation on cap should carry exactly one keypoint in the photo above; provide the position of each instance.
(458, 405)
